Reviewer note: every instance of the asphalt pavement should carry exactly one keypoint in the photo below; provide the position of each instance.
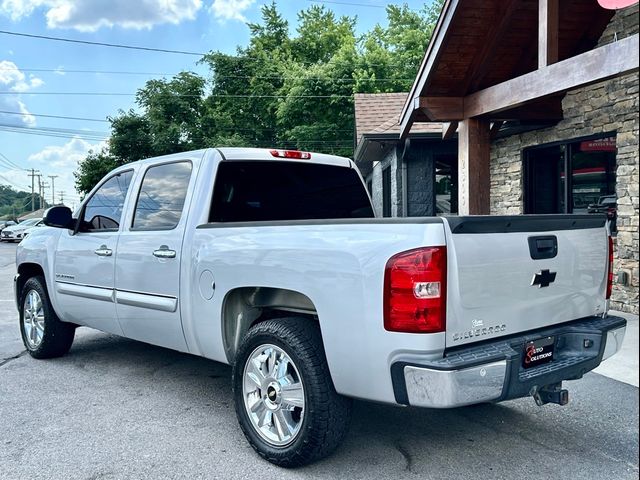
(115, 408)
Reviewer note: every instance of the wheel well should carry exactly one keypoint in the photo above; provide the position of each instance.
(244, 307)
(27, 271)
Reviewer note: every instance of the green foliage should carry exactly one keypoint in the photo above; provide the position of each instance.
(14, 203)
(92, 169)
(281, 90)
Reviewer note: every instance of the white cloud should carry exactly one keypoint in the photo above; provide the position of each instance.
(230, 9)
(62, 160)
(13, 80)
(65, 156)
(91, 15)
(60, 71)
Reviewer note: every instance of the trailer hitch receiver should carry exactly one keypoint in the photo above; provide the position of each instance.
(553, 393)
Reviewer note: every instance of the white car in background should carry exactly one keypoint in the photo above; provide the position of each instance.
(15, 233)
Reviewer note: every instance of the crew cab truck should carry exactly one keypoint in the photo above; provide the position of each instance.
(272, 261)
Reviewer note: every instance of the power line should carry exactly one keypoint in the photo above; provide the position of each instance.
(12, 183)
(348, 3)
(217, 77)
(55, 116)
(119, 94)
(102, 44)
(26, 131)
(8, 162)
(102, 72)
(345, 143)
(56, 129)
(62, 117)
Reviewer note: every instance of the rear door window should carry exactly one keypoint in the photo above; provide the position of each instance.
(162, 195)
(248, 191)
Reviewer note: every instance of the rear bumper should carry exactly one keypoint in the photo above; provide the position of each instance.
(493, 372)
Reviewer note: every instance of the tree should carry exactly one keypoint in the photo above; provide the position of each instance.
(280, 90)
(92, 169)
(14, 203)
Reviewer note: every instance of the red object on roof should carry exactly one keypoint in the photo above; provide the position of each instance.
(616, 4)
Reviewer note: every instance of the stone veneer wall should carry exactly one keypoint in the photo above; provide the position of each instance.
(391, 159)
(610, 106)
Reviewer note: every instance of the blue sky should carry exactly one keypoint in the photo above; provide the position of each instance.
(190, 25)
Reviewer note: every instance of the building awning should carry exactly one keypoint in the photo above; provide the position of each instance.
(502, 60)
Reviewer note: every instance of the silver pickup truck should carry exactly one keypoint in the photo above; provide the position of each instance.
(272, 261)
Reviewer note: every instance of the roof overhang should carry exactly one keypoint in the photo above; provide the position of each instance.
(462, 73)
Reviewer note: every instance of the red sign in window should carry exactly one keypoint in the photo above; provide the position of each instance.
(599, 145)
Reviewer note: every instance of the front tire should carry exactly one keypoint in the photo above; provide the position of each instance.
(285, 400)
(44, 335)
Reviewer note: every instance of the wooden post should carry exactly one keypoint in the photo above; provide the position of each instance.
(473, 167)
(547, 32)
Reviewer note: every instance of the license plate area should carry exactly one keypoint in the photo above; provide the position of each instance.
(538, 352)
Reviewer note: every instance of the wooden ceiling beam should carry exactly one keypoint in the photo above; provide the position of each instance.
(548, 27)
(480, 64)
(442, 108)
(495, 128)
(547, 110)
(449, 129)
(596, 65)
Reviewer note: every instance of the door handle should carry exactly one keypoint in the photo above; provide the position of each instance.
(103, 251)
(164, 252)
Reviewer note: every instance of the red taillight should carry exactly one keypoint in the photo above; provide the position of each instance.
(415, 292)
(610, 272)
(291, 154)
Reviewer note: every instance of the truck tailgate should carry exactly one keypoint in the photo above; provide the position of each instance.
(508, 275)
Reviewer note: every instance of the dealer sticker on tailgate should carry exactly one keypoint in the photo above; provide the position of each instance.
(538, 352)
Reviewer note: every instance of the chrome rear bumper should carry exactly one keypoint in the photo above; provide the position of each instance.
(493, 372)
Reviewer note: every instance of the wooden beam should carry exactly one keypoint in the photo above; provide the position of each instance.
(438, 38)
(442, 108)
(448, 130)
(473, 167)
(548, 109)
(548, 14)
(495, 128)
(480, 64)
(614, 59)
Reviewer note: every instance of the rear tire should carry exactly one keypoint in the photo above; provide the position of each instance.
(281, 381)
(44, 335)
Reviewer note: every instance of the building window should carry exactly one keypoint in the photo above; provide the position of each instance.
(386, 192)
(446, 185)
(589, 188)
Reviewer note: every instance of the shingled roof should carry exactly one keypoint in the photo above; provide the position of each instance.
(378, 113)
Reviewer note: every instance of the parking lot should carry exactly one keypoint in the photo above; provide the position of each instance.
(115, 408)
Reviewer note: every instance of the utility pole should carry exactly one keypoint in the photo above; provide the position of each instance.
(39, 175)
(61, 192)
(53, 188)
(33, 174)
(43, 203)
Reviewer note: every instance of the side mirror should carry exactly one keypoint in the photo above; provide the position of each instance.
(59, 217)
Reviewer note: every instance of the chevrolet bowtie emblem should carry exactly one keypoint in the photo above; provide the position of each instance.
(543, 278)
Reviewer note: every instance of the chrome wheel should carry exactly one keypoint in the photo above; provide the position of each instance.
(273, 395)
(33, 319)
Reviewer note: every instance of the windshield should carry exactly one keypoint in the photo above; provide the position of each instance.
(30, 222)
